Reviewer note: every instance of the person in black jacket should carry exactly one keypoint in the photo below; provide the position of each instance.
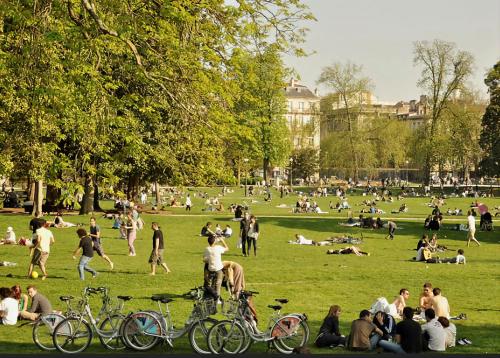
(329, 334)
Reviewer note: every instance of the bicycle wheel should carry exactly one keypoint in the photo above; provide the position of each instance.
(226, 337)
(141, 331)
(72, 335)
(198, 335)
(290, 332)
(43, 330)
(110, 333)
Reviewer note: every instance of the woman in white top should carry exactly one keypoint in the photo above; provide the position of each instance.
(471, 220)
(9, 238)
(9, 307)
(451, 331)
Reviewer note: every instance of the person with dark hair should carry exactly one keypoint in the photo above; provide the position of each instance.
(131, 227)
(244, 227)
(9, 308)
(207, 230)
(213, 258)
(434, 336)
(364, 334)
(423, 254)
(400, 301)
(408, 338)
(386, 323)
(440, 304)
(424, 239)
(86, 245)
(329, 333)
(252, 236)
(41, 251)
(156, 257)
(95, 234)
(39, 305)
(459, 259)
(451, 331)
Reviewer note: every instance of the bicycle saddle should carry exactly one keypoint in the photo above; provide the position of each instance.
(276, 308)
(161, 299)
(125, 298)
(66, 298)
(281, 300)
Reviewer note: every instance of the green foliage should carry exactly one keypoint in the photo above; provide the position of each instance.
(305, 162)
(490, 131)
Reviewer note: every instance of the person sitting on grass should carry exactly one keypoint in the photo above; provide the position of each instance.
(207, 230)
(9, 238)
(39, 305)
(434, 335)
(423, 254)
(329, 333)
(348, 250)
(425, 300)
(9, 308)
(60, 223)
(364, 335)
(386, 323)
(459, 259)
(451, 331)
(21, 298)
(408, 338)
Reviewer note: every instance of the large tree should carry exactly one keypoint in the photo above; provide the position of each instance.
(445, 70)
(490, 126)
(349, 88)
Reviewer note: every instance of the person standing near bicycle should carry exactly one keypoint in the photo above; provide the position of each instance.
(86, 245)
(95, 234)
(213, 258)
(156, 257)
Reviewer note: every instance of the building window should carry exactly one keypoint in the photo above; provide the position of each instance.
(301, 106)
(289, 105)
(311, 141)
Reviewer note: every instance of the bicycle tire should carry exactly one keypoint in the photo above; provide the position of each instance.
(43, 330)
(226, 337)
(198, 335)
(290, 331)
(141, 331)
(110, 333)
(68, 331)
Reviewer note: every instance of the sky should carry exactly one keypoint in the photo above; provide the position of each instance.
(379, 34)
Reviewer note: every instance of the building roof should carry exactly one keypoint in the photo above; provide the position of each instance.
(299, 91)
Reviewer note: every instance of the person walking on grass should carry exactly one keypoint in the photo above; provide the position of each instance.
(86, 245)
(472, 229)
(95, 234)
(156, 257)
(41, 250)
(131, 228)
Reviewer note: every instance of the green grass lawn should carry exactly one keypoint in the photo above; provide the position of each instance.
(309, 278)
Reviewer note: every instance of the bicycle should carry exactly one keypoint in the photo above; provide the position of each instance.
(236, 335)
(74, 334)
(143, 330)
(44, 326)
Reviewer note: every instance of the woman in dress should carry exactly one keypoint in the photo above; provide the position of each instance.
(131, 228)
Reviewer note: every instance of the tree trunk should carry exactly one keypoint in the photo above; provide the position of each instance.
(87, 201)
(53, 194)
(265, 167)
(31, 189)
(157, 194)
(38, 198)
(239, 173)
(97, 205)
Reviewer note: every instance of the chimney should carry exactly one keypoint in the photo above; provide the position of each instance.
(293, 82)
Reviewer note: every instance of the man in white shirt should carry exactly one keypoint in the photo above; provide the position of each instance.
(472, 229)
(42, 249)
(213, 258)
(9, 307)
(434, 335)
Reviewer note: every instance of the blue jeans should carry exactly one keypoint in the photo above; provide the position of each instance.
(84, 260)
(391, 347)
(373, 341)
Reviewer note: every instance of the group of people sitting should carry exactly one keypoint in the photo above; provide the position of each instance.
(426, 248)
(208, 230)
(304, 205)
(402, 209)
(377, 327)
(14, 305)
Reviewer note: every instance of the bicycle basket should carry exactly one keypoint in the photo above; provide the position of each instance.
(205, 308)
(230, 308)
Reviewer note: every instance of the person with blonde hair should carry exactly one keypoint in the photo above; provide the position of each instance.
(235, 277)
(329, 333)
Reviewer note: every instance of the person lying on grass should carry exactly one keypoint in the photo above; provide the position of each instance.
(301, 240)
(348, 250)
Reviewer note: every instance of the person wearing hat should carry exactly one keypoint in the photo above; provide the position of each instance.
(9, 238)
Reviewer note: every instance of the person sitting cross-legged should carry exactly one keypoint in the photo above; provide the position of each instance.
(364, 335)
